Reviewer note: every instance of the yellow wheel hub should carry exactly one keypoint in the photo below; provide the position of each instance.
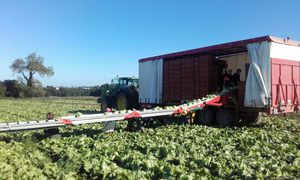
(121, 103)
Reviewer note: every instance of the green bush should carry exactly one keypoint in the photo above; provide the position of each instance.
(2, 90)
(13, 88)
(32, 92)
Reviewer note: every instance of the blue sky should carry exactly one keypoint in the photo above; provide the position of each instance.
(89, 42)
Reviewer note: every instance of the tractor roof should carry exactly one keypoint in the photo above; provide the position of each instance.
(223, 49)
(133, 78)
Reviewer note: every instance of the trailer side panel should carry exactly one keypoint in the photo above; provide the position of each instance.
(285, 90)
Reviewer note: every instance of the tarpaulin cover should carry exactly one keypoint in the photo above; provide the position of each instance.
(150, 80)
(257, 91)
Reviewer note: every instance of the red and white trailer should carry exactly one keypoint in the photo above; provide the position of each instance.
(270, 79)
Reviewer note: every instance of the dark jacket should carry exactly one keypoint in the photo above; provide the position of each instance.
(236, 78)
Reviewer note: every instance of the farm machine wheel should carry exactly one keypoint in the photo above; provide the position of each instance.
(122, 102)
(225, 117)
(253, 118)
(205, 117)
(249, 118)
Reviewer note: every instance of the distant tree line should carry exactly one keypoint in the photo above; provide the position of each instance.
(14, 88)
(71, 91)
(28, 86)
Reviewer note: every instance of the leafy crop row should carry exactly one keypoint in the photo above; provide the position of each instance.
(269, 150)
(36, 109)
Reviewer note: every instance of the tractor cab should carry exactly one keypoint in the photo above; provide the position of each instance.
(125, 82)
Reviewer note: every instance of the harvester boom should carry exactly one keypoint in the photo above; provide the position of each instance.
(108, 116)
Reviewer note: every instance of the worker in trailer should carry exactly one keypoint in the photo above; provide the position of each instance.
(229, 86)
(222, 66)
(236, 77)
(228, 79)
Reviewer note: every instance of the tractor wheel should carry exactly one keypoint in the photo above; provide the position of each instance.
(122, 102)
(225, 117)
(205, 117)
(103, 105)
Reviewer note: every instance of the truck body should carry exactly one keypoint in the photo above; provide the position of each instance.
(270, 78)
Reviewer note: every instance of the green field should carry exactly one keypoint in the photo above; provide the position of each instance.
(179, 151)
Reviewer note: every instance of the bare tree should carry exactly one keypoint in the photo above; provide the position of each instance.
(30, 66)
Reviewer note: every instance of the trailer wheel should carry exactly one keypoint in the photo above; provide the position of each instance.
(250, 118)
(205, 117)
(225, 117)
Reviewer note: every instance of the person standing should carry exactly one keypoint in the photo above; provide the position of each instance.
(227, 79)
(236, 77)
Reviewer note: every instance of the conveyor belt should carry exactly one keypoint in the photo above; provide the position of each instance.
(104, 117)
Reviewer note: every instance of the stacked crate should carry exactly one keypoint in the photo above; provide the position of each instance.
(187, 78)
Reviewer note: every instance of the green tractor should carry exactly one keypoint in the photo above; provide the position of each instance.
(121, 94)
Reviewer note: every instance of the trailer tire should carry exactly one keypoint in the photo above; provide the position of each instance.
(225, 117)
(250, 118)
(206, 117)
